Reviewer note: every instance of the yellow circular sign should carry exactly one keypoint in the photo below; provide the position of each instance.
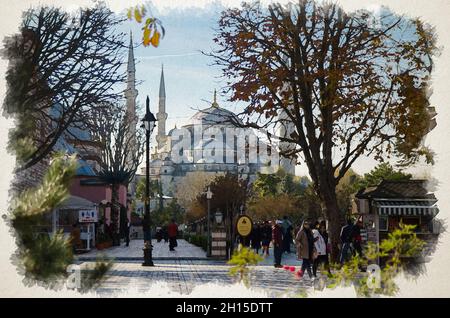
(244, 225)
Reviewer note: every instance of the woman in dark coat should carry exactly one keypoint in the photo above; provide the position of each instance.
(256, 238)
(266, 237)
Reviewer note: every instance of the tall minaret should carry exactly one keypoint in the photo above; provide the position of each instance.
(161, 116)
(214, 103)
(131, 91)
(285, 129)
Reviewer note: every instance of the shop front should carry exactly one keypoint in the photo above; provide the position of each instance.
(384, 207)
(77, 212)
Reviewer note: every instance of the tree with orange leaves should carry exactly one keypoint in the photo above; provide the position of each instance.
(349, 84)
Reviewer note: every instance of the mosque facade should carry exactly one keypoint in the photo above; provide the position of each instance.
(211, 142)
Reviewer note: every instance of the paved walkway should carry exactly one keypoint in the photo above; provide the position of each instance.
(184, 251)
(134, 252)
(182, 276)
(286, 259)
(187, 268)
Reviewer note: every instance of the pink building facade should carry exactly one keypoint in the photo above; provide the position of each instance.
(89, 188)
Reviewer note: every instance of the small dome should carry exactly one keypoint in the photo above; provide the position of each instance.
(172, 130)
(167, 162)
(156, 162)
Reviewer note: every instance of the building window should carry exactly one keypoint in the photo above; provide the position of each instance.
(383, 223)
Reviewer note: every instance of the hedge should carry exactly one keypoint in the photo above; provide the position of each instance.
(197, 240)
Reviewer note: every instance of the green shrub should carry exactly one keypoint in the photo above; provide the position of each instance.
(402, 244)
(197, 240)
(242, 259)
(44, 258)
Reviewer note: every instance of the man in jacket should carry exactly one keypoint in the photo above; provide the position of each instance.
(172, 230)
(356, 237)
(286, 227)
(277, 239)
(346, 239)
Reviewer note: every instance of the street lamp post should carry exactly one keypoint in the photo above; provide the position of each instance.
(209, 197)
(149, 123)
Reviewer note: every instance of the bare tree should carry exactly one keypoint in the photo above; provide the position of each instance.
(191, 186)
(121, 153)
(347, 85)
(61, 67)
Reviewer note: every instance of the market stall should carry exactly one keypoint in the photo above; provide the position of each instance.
(77, 211)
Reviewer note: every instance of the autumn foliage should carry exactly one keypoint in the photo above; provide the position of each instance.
(152, 28)
(349, 84)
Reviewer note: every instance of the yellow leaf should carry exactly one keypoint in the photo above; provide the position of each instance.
(129, 13)
(137, 15)
(146, 38)
(155, 39)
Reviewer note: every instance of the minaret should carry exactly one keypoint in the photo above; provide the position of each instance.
(214, 103)
(131, 92)
(161, 116)
(285, 129)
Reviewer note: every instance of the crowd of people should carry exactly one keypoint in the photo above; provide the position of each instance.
(311, 241)
(262, 236)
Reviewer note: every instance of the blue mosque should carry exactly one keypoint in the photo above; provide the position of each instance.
(224, 154)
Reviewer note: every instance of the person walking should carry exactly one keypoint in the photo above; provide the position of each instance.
(127, 233)
(346, 239)
(305, 243)
(320, 245)
(244, 241)
(287, 234)
(159, 234)
(75, 237)
(172, 231)
(165, 234)
(266, 236)
(323, 231)
(356, 237)
(277, 240)
(256, 238)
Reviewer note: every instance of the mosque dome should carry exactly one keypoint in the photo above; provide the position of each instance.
(215, 115)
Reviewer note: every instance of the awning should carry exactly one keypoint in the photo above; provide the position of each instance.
(406, 207)
(76, 203)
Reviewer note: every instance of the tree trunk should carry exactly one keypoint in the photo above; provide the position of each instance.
(334, 223)
(115, 214)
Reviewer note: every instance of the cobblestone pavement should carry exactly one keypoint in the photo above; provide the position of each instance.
(184, 250)
(183, 275)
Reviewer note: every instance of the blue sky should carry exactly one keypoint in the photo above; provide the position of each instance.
(190, 77)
